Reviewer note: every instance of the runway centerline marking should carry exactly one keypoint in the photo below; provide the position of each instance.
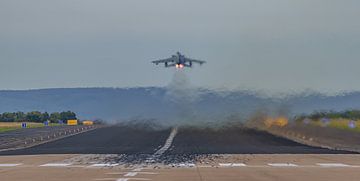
(10, 164)
(168, 142)
(164, 148)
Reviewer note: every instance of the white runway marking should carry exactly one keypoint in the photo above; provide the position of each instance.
(232, 164)
(225, 164)
(10, 164)
(282, 164)
(238, 164)
(168, 143)
(127, 179)
(164, 148)
(137, 169)
(115, 173)
(104, 165)
(55, 165)
(121, 173)
(186, 165)
(105, 179)
(204, 166)
(121, 179)
(131, 174)
(332, 165)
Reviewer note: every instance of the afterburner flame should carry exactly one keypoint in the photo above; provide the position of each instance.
(179, 66)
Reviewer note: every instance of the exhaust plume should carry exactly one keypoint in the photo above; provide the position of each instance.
(182, 97)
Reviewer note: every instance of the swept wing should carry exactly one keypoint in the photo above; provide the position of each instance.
(195, 61)
(171, 59)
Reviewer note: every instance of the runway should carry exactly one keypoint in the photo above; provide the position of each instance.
(238, 141)
(128, 152)
(141, 140)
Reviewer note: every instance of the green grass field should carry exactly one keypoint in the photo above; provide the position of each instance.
(338, 123)
(9, 126)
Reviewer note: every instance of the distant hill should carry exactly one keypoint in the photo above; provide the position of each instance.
(154, 102)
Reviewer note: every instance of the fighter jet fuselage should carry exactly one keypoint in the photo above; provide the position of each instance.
(179, 61)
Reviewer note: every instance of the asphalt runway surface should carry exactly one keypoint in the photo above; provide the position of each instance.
(142, 140)
(107, 140)
(238, 141)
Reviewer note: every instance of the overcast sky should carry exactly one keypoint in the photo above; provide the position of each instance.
(274, 45)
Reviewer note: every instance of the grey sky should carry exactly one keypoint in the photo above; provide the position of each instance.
(270, 44)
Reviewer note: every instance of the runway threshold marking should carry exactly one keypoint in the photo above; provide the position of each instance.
(121, 179)
(126, 179)
(282, 164)
(10, 164)
(186, 165)
(131, 174)
(104, 165)
(204, 166)
(56, 165)
(120, 173)
(333, 165)
(232, 164)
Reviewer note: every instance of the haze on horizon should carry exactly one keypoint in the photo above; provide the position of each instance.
(272, 45)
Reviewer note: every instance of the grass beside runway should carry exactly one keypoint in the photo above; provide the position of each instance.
(10, 126)
(339, 124)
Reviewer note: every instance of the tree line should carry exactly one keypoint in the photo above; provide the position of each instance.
(348, 114)
(36, 116)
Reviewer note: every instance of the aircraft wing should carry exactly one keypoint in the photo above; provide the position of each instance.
(195, 61)
(171, 59)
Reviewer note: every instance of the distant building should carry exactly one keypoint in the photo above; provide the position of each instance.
(88, 122)
(72, 122)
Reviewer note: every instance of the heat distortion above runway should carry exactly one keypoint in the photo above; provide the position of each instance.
(126, 139)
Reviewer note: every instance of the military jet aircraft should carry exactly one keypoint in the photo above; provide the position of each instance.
(179, 61)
